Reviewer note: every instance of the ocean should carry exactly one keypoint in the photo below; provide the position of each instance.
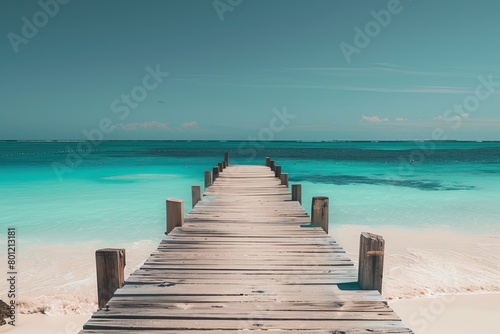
(65, 199)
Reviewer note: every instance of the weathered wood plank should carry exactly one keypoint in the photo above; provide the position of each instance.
(249, 323)
(246, 258)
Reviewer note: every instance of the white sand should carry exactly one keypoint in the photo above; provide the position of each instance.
(42, 324)
(447, 282)
(429, 262)
(456, 277)
(463, 314)
(55, 285)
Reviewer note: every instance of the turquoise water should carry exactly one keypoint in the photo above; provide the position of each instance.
(53, 193)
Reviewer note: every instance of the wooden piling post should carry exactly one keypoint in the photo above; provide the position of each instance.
(319, 212)
(297, 193)
(284, 179)
(175, 213)
(195, 194)
(208, 179)
(371, 261)
(110, 267)
(271, 164)
(224, 164)
(220, 167)
(277, 171)
(215, 174)
(268, 162)
(226, 158)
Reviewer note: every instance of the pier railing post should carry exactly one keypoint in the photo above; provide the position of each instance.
(277, 171)
(208, 179)
(297, 193)
(110, 267)
(319, 212)
(284, 179)
(371, 261)
(268, 162)
(221, 166)
(195, 195)
(271, 164)
(226, 158)
(175, 213)
(215, 174)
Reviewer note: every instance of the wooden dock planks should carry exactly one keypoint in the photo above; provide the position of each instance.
(242, 261)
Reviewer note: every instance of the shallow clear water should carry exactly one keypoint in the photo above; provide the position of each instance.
(54, 194)
(65, 204)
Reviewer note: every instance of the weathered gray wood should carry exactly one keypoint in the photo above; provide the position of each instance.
(319, 212)
(297, 193)
(110, 266)
(208, 179)
(245, 259)
(371, 261)
(268, 162)
(226, 158)
(221, 167)
(284, 179)
(277, 171)
(195, 195)
(175, 214)
(271, 164)
(215, 174)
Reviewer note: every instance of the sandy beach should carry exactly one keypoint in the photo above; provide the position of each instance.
(118, 118)
(438, 281)
(430, 262)
(43, 324)
(458, 314)
(463, 314)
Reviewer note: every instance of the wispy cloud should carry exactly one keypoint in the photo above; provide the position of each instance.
(189, 125)
(419, 90)
(313, 127)
(377, 119)
(373, 119)
(410, 90)
(452, 118)
(379, 68)
(134, 126)
(330, 78)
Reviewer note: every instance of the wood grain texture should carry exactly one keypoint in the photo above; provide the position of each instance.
(246, 258)
(175, 214)
(371, 261)
(195, 195)
(319, 212)
(110, 268)
(208, 179)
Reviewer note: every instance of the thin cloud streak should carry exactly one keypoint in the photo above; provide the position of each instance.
(373, 119)
(412, 90)
(382, 67)
(134, 126)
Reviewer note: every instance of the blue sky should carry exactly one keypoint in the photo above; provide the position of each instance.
(418, 69)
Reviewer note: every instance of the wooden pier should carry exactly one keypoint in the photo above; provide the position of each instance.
(247, 258)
